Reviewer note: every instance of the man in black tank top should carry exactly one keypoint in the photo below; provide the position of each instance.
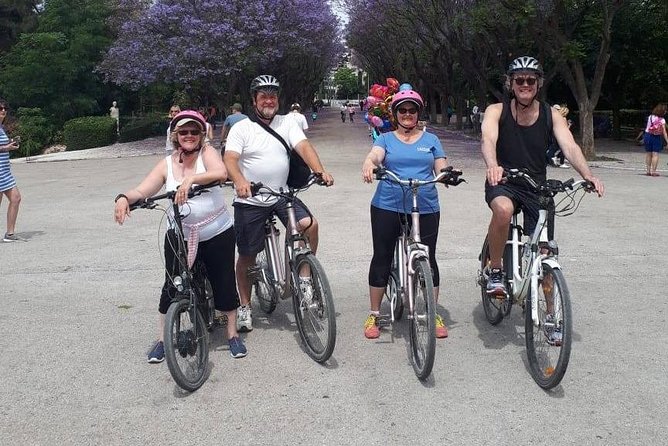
(515, 134)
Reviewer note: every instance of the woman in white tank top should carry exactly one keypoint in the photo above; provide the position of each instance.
(208, 222)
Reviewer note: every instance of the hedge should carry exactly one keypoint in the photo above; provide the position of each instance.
(143, 127)
(89, 131)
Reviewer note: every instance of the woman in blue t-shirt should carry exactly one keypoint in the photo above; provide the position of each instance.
(410, 153)
(7, 182)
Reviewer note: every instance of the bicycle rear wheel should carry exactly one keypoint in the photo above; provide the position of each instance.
(186, 345)
(423, 322)
(392, 293)
(263, 282)
(495, 307)
(314, 309)
(549, 343)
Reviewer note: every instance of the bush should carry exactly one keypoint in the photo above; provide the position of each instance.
(142, 127)
(35, 131)
(89, 131)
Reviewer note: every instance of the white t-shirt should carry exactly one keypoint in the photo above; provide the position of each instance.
(299, 119)
(262, 157)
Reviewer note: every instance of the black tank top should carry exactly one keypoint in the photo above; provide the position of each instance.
(523, 147)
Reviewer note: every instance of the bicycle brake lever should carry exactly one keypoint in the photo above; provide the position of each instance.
(255, 188)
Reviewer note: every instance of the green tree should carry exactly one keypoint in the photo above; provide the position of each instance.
(346, 82)
(16, 17)
(52, 68)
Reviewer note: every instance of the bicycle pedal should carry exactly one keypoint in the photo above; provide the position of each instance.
(384, 320)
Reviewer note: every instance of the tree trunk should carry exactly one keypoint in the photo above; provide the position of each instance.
(586, 118)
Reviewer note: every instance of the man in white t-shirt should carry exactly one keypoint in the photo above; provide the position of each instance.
(254, 155)
(296, 114)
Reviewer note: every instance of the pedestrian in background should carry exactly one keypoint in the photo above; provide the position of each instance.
(173, 111)
(7, 182)
(655, 135)
(296, 114)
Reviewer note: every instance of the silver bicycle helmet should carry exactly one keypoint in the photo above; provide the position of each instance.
(264, 81)
(525, 63)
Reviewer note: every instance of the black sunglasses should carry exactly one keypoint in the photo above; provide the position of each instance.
(525, 80)
(403, 111)
(189, 132)
(2, 108)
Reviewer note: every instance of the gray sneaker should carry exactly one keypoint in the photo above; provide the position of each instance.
(495, 283)
(553, 332)
(244, 318)
(10, 238)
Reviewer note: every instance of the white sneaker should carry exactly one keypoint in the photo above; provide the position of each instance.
(244, 318)
(306, 288)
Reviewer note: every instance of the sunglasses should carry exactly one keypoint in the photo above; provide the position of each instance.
(189, 132)
(3, 108)
(403, 111)
(525, 81)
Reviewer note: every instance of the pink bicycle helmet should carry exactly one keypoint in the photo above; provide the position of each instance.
(406, 96)
(187, 116)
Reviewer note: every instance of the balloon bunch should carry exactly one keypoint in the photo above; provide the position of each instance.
(379, 115)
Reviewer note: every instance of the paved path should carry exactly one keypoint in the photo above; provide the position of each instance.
(80, 300)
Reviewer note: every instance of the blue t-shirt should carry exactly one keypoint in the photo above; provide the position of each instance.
(414, 161)
(233, 119)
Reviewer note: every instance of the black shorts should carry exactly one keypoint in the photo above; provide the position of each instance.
(526, 200)
(249, 223)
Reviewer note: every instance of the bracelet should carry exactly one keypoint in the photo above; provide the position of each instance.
(119, 196)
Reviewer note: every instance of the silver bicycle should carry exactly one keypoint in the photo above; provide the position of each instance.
(295, 273)
(534, 279)
(410, 280)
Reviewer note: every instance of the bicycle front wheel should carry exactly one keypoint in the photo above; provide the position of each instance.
(549, 342)
(314, 308)
(186, 345)
(423, 322)
(263, 282)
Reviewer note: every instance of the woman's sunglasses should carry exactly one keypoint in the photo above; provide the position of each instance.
(3, 108)
(403, 111)
(525, 80)
(189, 132)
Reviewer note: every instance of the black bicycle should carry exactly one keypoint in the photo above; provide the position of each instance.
(191, 315)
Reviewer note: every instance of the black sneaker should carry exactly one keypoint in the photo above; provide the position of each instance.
(495, 283)
(157, 353)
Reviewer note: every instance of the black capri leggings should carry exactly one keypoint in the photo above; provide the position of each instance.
(385, 228)
(217, 254)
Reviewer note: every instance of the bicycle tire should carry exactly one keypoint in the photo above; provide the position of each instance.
(423, 322)
(186, 345)
(265, 292)
(210, 306)
(392, 289)
(548, 360)
(495, 308)
(316, 317)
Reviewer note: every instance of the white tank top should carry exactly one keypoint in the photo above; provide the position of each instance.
(199, 208)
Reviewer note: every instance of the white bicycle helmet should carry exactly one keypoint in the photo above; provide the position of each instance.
(525, 63)
(264, 81)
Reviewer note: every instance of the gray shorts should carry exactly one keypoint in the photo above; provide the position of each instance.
(249, 223)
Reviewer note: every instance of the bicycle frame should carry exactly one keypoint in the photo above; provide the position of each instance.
(295, 243)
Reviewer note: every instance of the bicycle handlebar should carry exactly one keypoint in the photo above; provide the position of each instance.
(314, 178)
(448, 176)
(150, 202)
(550, 187)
